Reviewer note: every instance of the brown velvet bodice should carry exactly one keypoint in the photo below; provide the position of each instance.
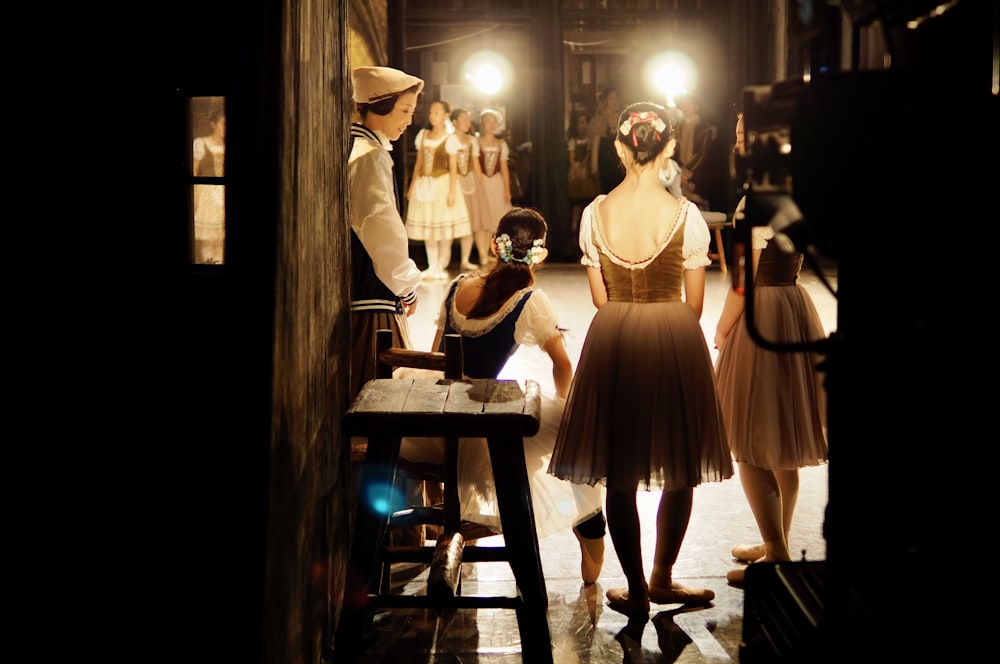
(436, 159)
(777, 267)
(657, 281)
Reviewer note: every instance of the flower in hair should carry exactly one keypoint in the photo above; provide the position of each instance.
(532, 256)
(646, 117)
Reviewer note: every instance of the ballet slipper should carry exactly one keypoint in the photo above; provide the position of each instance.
(619, 600)
(678, 594)
(591, 557)
(747, 553)
(735, 577)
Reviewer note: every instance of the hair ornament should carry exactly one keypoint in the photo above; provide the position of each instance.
(532, 256)
(646, 117)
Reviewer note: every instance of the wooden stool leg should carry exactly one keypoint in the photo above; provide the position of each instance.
(374, 496)
(517, 518)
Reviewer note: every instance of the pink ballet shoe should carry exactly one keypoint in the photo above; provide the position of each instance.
(735, 577)
(619, 600)
(678, 594)
(748, 553)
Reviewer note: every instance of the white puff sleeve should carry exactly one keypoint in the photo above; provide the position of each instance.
(538, 321)
(696, 239)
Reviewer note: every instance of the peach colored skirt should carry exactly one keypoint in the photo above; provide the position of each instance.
(774, 404)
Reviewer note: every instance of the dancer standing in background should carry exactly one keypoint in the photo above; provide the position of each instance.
(605, 165)
(581, 184)
(774, 404)
(436, 211)
(470, 177)
(494, 153)
(694, 142)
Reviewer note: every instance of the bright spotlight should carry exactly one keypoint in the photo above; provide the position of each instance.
(671, 74)
(487, 79)
(487, 72)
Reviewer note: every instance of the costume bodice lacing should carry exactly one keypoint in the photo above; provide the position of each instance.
(464, 160)
(489, 158)
(435, 157)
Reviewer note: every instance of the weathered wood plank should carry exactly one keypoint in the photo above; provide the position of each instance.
(533, 403)
(381, 395)
(460, 398)
(506, 396)
(428, 407)
(426, 396)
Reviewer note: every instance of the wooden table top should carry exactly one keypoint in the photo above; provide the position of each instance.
(472, 407)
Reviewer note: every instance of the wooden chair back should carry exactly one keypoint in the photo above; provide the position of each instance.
(388, 357)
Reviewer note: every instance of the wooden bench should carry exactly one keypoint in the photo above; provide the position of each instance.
(502, 411)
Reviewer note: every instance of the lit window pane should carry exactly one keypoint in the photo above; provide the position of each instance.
(207, 123)
(209, 223)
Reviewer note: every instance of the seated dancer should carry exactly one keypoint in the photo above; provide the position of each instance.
(496, 312)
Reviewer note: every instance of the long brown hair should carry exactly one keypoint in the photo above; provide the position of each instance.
(513, 270)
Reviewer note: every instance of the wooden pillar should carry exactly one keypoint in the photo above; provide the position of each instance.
(548, 128)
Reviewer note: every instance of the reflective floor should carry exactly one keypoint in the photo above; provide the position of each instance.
(583, 628)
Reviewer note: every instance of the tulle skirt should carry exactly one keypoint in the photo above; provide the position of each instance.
(642, 411)
(467, 183)
(493, 201)
(428, 215)
(774, 404)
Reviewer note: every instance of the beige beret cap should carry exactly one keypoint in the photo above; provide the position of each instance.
(372, 84)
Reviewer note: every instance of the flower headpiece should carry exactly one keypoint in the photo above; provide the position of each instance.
(646, 117)
(532, 256)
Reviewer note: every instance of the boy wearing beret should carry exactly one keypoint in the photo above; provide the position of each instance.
(384, 278)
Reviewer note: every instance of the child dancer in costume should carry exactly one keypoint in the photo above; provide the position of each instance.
(436, 211)
(494, 154)
(773, 403)
(642, 412)
(495, 313)
(470, 177)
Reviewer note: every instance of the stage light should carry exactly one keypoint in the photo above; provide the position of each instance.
(487, 72)
(672, 74)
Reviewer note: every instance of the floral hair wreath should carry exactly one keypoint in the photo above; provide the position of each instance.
(646, 117)
(532, 256)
